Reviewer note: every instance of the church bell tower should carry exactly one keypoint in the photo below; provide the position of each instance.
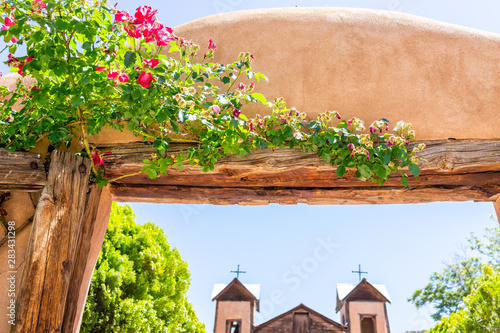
(236, 306)
(363, 307)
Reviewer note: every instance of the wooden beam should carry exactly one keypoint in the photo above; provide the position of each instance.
(51, 252)
(448, 163)
(452, 165)
(95, 223)
(21, 171)
(291, 196)
(496, 205)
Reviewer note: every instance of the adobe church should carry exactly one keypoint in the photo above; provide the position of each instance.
(362, 310)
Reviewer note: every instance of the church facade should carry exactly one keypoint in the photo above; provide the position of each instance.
(362, 309)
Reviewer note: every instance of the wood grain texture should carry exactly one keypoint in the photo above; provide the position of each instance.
(97, 238)
(291, 196)
(83, 250)
(496, 205)
(51, 251)
(446, 162)
(21, 171)
(452, 170)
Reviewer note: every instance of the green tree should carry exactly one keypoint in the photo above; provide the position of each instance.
(446, 290)
(139, 283)
(482, 308)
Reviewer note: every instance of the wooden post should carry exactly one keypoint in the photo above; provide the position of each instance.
(95, 223)
(51, 252)
(496, 205)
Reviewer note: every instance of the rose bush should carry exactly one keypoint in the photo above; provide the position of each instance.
(96, 67)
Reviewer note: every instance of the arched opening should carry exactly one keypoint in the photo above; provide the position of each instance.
(233, 326)
(368, 325)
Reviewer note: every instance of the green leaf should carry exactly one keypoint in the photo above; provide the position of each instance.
(152, 174)
(13, 48)
(365, 171)
(76, 101)
(35, 64)
(259, 97)
(175, 126)
(341, 171)
(404, 181)
(87, 46)
(129, 58)
(414, 169)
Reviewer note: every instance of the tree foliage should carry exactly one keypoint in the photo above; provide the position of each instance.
(446, 290)
(139, 283)
(482, 308)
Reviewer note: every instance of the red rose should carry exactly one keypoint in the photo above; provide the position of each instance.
(151, 62)
(9, 21)
(123, 78)
(211, 45)
(123, 16)
(133, 30)
(112, 75)
(145, 79)
(164, 36)
(145, 14)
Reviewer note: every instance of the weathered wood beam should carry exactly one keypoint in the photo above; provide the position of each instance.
(448, 164)
(21, 171)
(51, 252)
(95, 222)
(291, 196)
(496, 205)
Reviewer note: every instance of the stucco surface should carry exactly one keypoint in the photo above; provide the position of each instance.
(371, 64)
(367, 308)
(19, 209)
(233, 311)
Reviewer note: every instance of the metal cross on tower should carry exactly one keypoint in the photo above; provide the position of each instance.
(359, 272)
(238, 272)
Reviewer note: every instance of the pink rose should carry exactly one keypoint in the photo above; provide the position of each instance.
(112, 75)
(123, 16)
(215, 108)
(145, 79)
(236, 112)
(211, 45)
(9, 21)
(123, 78)
(145, 14)
(151, 62)
(100, 68)
(164, 36)
(133, 30)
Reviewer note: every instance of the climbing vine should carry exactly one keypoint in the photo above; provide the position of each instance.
(95, 67)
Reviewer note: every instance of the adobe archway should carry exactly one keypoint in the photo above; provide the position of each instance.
(443, 79)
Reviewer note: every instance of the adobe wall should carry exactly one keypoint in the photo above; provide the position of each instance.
(19, 209)
(233, 310)
(367, 308)
(442, 78)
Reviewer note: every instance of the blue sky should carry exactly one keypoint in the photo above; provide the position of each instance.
(299, 253)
